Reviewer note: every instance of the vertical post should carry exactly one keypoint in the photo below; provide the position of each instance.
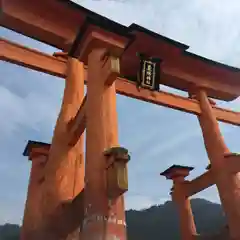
(104, 219)
(65, 168)
(177, 174)
(228, 183)
(38, 154)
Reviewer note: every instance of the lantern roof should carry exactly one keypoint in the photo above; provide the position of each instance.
(31, 145)
(176, 170)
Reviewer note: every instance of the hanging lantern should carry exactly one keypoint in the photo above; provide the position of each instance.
(149, 72)
(117, 173)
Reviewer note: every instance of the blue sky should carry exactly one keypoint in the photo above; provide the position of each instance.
(30, 102)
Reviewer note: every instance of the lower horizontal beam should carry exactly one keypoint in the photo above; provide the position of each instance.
(33, 59)
(206, 180)
(129, 89)
(200, 183)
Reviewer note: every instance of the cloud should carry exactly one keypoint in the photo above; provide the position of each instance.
(207, 26)
(29, 106)
(139, 202)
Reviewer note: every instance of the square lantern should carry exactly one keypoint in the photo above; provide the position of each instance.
(117, 172)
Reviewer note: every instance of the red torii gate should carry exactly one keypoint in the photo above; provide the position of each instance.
(66, 195)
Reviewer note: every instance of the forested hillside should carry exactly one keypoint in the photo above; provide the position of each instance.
(156, 222)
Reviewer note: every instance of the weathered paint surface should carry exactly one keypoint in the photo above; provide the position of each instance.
(101, 133)
(33, 207)
(65, 168)
(228, 183)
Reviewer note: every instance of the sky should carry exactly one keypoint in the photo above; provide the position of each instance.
(30, 102)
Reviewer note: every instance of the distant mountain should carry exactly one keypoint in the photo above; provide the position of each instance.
(162, 221)
(9, 232)
(156, 222)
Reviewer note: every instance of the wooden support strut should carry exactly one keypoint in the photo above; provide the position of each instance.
(56, 66)
(65, 173)
(200, 183)
(227, 182)
(178, 174)
(77, 125)
(206, 180)
(33, 213)
(104, 216)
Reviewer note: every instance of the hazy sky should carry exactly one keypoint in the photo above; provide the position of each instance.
(30, 102)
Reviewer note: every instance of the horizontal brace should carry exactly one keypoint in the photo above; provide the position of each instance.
(30, 19)
(206, 180)
(200, 183)
(33, 59)
(23, 56)
(127, 88)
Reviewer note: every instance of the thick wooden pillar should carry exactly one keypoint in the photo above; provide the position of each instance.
(227, 181)
(187, 225)
(65, 168)
(104, 219)
(179, 196)
(38, 154)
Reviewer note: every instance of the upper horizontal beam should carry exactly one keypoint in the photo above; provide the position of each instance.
(180, 69)
(40, 20)
(36, 60)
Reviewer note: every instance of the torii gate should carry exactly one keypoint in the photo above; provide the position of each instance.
(66, 201)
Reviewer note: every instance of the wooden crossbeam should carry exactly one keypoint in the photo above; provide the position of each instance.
(33, 59)
(200, 183)
(206, 180)
(127, 88)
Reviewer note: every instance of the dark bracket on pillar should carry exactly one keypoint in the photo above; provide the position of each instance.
(232, 161)
(208, 167)
(74, 47)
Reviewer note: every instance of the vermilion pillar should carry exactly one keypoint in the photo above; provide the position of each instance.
(38, 154)
(65, 168)
(227, 181)
(104, 218)
(179, 195)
